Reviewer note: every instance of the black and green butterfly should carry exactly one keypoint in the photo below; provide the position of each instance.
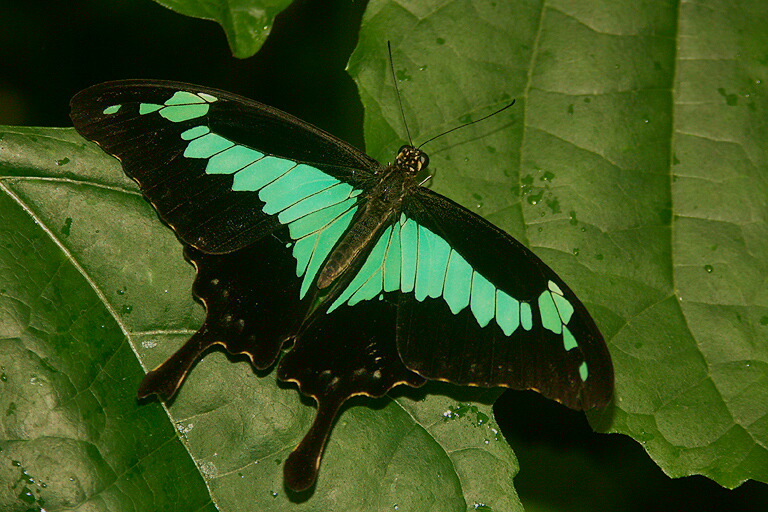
(299, 238)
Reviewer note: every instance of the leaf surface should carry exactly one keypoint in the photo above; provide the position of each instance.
(634, 163)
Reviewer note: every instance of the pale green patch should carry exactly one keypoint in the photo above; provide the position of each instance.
(207, 146)
(317, 220)
(259, 173)
(526, 317)
(458, 283)
(232, 160)
(180, 113)
(148, 108)
(193, 133)
(409, 245)
(550, 318)
(325, 239)
(569, 341)
(392, 260)
(483, 300)
(507, 312)
(184, 98)
(583, 371)
(330, 196)
(432, 260)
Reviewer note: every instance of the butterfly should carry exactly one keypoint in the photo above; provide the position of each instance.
(372, 280)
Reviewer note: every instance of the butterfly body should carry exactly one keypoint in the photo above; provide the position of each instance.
(381, 208)
(377, 281)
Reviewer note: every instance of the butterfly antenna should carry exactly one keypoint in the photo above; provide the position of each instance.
(502, 109)
(399, 100)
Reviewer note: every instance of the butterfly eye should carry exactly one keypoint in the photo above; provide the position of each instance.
(423, 161)
(402, 149)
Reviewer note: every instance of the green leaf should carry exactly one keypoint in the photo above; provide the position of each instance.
(71, 432)
(247, 23)
(93, 285)
(634, 162)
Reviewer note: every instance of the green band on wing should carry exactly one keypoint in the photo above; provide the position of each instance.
(321, 241)
(182, 106)
(193, 133)
(316, 207)
(569, 341)
(556, 312)
(184, 98)
(433, 253)
(483, 300)
(232, 160)
(369, 281)
(302, 181)
(316, 220)
(507, 312)
(458, 283)
(550, 318)
(409, 247)
(207, 146)
(526, 317)
(330, 196)
(114, 109)
(261, 172)
(411, 258)
(393, 260)
(148, 108)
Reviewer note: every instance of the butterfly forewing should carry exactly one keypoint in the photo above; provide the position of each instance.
(192, 149)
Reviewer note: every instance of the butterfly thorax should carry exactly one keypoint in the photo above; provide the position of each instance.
(380, 208)
(411, 160)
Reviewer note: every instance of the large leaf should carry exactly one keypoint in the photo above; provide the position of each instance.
(92, 280)
(247, 23)
(635, 164)
(72, 434)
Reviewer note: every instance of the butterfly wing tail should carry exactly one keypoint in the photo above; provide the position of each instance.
(348, 353)
(301, 467)
(166, 379)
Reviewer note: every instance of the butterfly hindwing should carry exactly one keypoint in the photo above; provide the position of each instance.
(478, 308)
(346, 353)
(251, 297)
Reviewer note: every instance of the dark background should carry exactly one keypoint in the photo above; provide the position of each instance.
(52, 49)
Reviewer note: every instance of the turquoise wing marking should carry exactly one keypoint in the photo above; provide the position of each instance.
(392, 261)
(433, 253)
(458, 282)
(412, 259)
(370, 279)
(316, 207)
(182, 106)
(483, 299)
(409, 247)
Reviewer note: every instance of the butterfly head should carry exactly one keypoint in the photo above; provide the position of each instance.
(411, 159)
